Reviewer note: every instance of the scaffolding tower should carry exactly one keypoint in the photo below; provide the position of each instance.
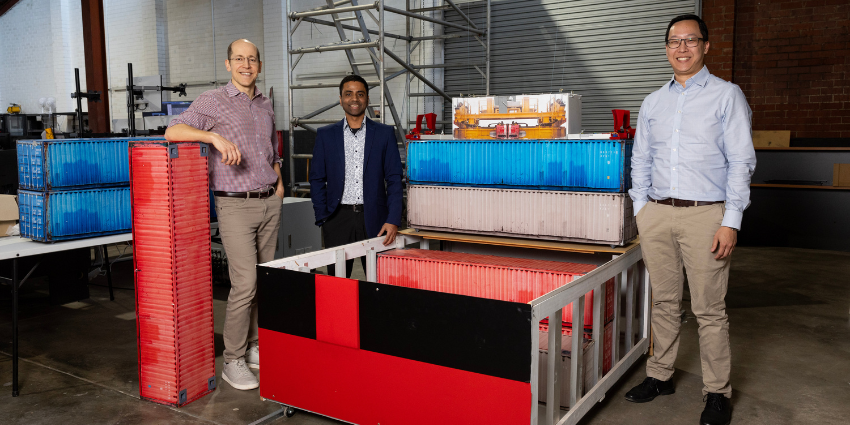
(378, 52)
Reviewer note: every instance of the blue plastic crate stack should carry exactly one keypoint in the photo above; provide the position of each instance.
(74, 188)
(563, 189)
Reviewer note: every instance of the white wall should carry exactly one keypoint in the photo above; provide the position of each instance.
(41, 43)
(180, 40)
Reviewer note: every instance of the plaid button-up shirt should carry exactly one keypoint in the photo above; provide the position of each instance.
(248, 123)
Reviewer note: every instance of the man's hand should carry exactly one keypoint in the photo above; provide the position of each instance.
(230, 154)
(724, 242)
(279, 191)
(391, 230)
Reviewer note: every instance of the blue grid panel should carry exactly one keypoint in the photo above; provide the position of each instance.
(74, 214)
(574, 165)
(74, 163)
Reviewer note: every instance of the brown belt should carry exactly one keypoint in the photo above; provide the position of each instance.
(261, 194)
(684, 202)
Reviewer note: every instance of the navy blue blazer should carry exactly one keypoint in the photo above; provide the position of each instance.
(382, 187)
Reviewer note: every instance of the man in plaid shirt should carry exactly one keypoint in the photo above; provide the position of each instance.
(245, 176)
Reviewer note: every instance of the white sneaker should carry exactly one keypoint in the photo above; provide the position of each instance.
(236, 374)
(252, 357)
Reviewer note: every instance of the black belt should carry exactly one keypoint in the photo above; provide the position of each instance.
(352, 207)
(261, 194)
(684, 202)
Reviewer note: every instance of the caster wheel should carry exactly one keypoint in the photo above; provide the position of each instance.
(290, 412)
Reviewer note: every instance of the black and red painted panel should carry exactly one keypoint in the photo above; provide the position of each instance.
(371, 353)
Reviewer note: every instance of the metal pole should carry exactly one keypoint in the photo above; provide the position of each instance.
(336, 10)
(14, 327)
(131, 102)
(415, 73)
(487, 52)
(383, 61)
(79, 101)
(434, 20)
(289, 113)
(215, 57)
(108, 271)
(407, 32)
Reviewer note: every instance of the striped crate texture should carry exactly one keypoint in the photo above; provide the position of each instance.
(576, 165)
(173, 271)
(486, 276)
(604, 218)
(73, 163)
(49, 216)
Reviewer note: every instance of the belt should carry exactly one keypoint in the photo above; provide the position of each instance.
(261, 194)
(352, 207)
(684, 202)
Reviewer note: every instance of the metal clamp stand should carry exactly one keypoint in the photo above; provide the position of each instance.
(133, 91)
(91, 96)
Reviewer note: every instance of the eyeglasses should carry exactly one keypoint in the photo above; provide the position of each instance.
(690, 42)
(239, 60)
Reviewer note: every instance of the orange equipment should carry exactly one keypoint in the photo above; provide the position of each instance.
(470, 113)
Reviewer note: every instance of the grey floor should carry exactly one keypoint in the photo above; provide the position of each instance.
(790, 335)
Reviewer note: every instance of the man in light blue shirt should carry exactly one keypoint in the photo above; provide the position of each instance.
(691, 167)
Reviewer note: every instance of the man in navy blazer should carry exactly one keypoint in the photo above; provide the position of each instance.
(355, 175)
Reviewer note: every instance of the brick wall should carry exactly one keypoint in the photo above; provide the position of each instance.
(791, 59)
(719, 15)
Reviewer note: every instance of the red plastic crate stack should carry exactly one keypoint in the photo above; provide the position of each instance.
(173, 271)
(488, 276)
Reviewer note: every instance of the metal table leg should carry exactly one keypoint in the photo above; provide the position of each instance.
(108, 272)
(14, 327)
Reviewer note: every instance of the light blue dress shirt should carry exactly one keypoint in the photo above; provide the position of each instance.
(695, 143)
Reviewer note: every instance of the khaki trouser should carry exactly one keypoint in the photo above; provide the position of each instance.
(249, 229)
(671, 237)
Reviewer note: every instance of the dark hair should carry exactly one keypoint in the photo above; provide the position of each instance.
(703, 28)
(230, 48)
(356, 78)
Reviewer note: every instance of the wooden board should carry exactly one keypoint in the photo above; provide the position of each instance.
(772, 138)
(521, 243)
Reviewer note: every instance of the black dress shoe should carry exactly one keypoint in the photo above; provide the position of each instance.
(649, 389)
(718, 410)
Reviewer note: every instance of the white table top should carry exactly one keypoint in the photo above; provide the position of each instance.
(17, 247)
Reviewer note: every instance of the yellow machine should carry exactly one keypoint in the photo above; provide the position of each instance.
(14, 109)
(480, 119)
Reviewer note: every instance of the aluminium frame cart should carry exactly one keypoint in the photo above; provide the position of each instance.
(376, 60)
(338, 345)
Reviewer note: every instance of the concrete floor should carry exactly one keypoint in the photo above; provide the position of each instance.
(790, 334)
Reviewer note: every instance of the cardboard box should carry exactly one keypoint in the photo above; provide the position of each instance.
(841, 175)
(772, 139)
(8, 213)
(565, 373)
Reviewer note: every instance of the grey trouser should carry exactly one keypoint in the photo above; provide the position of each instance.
(671, 237)
(248, 230)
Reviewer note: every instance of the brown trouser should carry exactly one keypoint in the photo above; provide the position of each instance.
(671, 237)
(248, 230)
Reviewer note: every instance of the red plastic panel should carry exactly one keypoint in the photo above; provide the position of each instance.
(363, 387)
(337, 311)
(173, 271)
(607, 344)
(486, 276)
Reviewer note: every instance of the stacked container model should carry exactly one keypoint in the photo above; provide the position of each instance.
(489, 276)
(173, 271)
(438, 332)
(73, 188)
(567, 190)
